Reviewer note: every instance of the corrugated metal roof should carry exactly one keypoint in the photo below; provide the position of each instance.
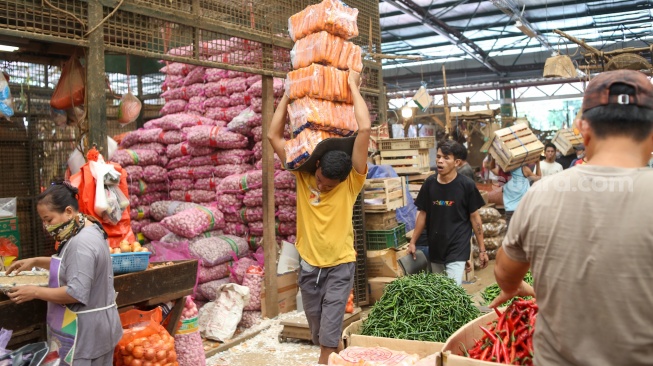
(479, 42)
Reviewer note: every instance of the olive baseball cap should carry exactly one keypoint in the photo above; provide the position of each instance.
(598, 90)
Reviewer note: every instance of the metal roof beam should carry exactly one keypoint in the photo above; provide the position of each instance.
(454, 36)
(510, 8)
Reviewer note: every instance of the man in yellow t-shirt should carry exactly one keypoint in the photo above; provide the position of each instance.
(325, 235)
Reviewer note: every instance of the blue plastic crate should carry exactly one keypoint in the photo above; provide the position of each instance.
(130, 262)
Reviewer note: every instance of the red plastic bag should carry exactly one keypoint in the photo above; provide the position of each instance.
(70, 90)
(129, 109)
(8, 248)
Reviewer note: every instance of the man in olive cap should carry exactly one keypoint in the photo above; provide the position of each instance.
(593, 272)
(580, 156)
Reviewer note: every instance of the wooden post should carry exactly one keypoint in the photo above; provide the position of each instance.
(445, 99)
(96, 103)
(269, 234)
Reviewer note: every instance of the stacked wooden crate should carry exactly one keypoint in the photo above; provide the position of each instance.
(515, 146)
(383, 196)
(407, 156)
(566, 140)
(414, 182)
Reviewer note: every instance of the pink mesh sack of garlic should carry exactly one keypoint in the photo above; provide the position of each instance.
(223, 171)
(216, 137)
(218, 249)
(162, 209)
(187, 148)
(193, 195)
(241, 183)
(194, 221)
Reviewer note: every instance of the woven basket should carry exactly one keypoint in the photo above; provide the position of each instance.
(559, 66)
(628, 61)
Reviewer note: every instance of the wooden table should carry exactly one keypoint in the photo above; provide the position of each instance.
(297, 326)
(135, 290)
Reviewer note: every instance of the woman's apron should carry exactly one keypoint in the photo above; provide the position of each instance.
(61, 321)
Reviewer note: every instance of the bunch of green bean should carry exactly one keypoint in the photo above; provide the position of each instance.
(492, 291)
(423, 307)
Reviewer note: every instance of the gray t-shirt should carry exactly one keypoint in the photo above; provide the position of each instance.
(87, 271)
(588, 236)
(467, 171)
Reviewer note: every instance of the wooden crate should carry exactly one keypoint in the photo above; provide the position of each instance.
(515, 146)
(405, 162)
(415, 182)
(388, 191)
(297, 326)
(566, 140)
(407, 144)
(380, 220)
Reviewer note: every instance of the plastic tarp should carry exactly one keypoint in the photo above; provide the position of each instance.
(406, 214)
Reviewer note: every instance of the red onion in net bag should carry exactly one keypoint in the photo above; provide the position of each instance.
(139, 213)
(217, 137)
(206, 274)
(218, 249)
(138, 157)
(287, 213)
(253, 198)
(256, 89)
(174, 94)
(222, 157)
(209, 290)
(196, 220)
(154, 231)
(206, 184)
(229, 202)
(153, 146)
(195, 76)
(236, 74)
(171, 82)
(196, 104)
(134, 200)
(215, 88)
(172, 137)
(233, 112)
(176, 68)
(222, 171)
(137, 225)
(139, 187)
(217, 114)
(277, 163)
(174, 238)
(239, 268)
(155, 174)
(213, 75)
(253, 279)
(131, 138)
(256, 103)
(186, 148)
(257, 133)
(285, 197)
(245, 215)
(217, 102)
(258, 150)
(250, 318)
(162, 209)
(188, 341)
(194, 172)
(181, 120)
(256, 120)
(239, 98)
(173, 106)
(287, 228)
(179, 162)
(150, 198)
(235, 228)
(134, 172)
(193, 195)
(284, 179)
(181, 184)
(240, 183)
(256, 228)
(251, 80)
(291, 239)
(239, 123)
(181, 51)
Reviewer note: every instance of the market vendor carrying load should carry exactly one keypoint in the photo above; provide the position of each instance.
(82, 317)
(325, 236)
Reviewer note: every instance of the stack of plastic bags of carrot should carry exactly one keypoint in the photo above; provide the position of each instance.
(321, 58)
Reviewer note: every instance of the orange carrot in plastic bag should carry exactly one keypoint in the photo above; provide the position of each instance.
(319, 81)
(327, 49)
(302, 146)
(332, 16)
(324, 115)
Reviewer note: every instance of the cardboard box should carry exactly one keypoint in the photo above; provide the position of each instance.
(383, 263)
(377, 286)
(287, 293)
(351, 337)
(466, 336)
(381, 221)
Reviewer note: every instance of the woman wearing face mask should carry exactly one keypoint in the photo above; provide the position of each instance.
(82, 317)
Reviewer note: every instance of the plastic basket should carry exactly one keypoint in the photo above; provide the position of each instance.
(383, 239)
(130, 262)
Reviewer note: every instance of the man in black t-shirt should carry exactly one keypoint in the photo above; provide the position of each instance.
(448, 208)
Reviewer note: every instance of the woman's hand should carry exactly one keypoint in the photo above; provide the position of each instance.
(22, 265)
(21, 294)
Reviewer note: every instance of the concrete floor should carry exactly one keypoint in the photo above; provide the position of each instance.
(265, 349)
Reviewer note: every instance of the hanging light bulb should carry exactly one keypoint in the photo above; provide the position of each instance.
(406, 112)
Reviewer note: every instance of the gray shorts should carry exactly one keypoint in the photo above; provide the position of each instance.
(324, 299)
